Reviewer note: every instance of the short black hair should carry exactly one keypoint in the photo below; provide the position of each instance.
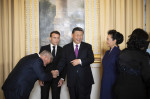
(77, 29)
(116, 36)
(56, 32)
(138, 39)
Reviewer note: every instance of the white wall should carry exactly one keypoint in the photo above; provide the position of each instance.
(35, 94)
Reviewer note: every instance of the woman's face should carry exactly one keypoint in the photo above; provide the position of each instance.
(110, 42)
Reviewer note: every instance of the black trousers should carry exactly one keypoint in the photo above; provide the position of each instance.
(55, 90)
(79, 91)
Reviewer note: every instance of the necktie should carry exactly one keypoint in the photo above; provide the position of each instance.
(76, 51)
(53, 52)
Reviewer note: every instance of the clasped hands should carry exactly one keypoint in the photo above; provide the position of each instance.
(55, 73)
(75, 62)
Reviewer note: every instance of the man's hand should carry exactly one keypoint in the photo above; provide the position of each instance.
(55, 73)
(60, 83)
(41, 83)
(75, 62)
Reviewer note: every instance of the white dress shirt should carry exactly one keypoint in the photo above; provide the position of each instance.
(51, 45)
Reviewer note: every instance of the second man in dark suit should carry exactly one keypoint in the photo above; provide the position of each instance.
(77, 57)
(56, 83)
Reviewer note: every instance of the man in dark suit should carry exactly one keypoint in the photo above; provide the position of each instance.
(28, 70)
(77, 57)
(55, 83)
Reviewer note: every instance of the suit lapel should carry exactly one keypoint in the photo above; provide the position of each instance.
(49, 47)
(57, 51)
(80, 50)
(72, 50)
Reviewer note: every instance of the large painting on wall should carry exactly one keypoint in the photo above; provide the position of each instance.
(60, 15)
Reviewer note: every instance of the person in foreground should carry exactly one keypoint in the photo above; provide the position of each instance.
(77, 57)
(28, 70)
(134, 68)
(110, 63)
(55, 83)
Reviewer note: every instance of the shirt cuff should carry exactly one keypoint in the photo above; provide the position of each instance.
(62, 78)
(80, 62)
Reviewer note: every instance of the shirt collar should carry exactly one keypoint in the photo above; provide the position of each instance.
(53, 45)
(38, 54)
(74, 44)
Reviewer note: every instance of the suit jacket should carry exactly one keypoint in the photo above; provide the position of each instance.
(22, 78)
(83, 71)
(54, 64)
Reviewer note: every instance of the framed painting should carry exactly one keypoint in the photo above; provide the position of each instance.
(60, 15)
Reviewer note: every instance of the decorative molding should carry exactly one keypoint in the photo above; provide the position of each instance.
(97, 58)
(98, 24)
(92, 26)
(87, 21)
(36, 26)
(30, 26)
(26, 25)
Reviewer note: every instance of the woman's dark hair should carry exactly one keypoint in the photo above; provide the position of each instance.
(138, 39)
(116, 36)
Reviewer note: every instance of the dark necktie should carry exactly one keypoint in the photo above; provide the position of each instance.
(76, 51)
(53, 52)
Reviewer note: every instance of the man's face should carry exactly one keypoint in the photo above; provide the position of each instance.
(55, 38)
(77, 37)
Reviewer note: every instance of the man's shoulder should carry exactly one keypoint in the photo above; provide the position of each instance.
(86, 44)
(45, 46)
(59, 47)
(35, 55)
(67, 45)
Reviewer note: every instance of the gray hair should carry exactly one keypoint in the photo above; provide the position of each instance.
(48, 54)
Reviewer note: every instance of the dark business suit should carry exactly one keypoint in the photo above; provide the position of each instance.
(21, 80)
(54, 83)
(79, 78)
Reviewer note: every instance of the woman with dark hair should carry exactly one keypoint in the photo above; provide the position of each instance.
(110, 62)
(134, 68)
